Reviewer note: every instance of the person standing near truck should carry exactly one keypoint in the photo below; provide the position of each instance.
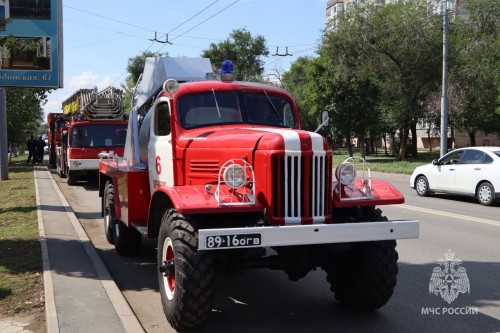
(40, 145)
(31, 145)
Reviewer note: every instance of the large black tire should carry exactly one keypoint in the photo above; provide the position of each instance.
(71, 178)
(60, 171)
(186, 276)
(365, 277)
(109, 211)
(485, 194)
(127, 240)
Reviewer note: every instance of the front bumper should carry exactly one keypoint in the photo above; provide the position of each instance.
(83, 164)
(316, 233)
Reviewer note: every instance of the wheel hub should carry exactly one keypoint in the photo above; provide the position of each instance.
(168, 268)
(485, 194)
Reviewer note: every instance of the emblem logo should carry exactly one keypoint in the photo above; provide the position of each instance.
(449, 279)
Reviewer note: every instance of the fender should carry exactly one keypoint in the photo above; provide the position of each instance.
(196, 199)
(382, 193)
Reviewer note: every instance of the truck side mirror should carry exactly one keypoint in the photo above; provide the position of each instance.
(325, 120)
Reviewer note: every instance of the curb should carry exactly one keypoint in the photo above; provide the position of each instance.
(120, 304)
(52, 322)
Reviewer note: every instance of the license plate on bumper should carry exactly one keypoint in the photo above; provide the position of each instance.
(237, 240)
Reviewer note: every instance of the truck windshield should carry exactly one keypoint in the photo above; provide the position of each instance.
(98, 135)
(235, 107)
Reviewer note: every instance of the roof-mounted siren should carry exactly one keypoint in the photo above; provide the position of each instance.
(227, 71)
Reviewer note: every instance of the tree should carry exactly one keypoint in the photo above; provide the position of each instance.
(301, 80)
(135, 67)
(474, 68)
(383, 61)
(349, 86)
(409, 43)
(244, 50)
(24, 113)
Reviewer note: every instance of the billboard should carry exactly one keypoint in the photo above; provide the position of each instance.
(31, 43)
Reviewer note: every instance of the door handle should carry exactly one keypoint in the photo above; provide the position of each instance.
(478, 169)
(452, 169)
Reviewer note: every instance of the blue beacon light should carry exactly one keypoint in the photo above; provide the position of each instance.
(227, 71)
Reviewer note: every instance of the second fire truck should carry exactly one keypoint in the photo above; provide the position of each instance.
(91, 122)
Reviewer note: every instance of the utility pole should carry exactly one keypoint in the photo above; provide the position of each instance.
(444, 94)
(4, 149)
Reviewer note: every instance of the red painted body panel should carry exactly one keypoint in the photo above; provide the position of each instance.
(225, 137)
(196, 200)
(131, 188)
(383, 193)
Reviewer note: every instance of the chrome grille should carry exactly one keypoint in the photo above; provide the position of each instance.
(300, 187)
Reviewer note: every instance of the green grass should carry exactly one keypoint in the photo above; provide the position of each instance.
(380, 162)
(21, 279)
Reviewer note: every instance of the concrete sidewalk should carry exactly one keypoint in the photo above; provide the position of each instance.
(80, 294)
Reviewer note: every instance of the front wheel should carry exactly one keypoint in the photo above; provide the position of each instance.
(422, 186)
(485, 194)
(186, 276)
(364, 278)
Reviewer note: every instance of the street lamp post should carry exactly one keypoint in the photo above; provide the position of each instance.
(444, 93)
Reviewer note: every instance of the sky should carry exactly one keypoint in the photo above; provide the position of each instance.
(99, 36)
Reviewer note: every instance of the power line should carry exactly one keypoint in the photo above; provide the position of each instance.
(108, 18)
(148, 29)
(220, 11)
(192, 17)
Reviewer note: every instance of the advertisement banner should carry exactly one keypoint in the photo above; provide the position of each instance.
(31, 43)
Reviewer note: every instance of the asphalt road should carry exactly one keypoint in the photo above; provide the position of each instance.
(266, 301)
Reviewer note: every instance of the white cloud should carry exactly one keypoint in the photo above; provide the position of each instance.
(89, 79)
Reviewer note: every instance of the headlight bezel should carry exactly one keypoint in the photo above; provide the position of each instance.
(346, 173)
(230, 179)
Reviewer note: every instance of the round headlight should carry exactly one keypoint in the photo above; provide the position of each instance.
(346, 173)
(171, 86)
(235, 176)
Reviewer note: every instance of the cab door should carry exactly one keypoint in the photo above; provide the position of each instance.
(160, 157)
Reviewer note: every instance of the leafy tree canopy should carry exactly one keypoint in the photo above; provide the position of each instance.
(244, 50)
(24, 113)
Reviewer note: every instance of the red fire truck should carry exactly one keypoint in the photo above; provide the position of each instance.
(91, 122)
(224, 176)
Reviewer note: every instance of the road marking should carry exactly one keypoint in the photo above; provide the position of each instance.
(457, 216)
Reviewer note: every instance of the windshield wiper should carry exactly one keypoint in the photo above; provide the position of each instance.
(270, 102)
(216, 104)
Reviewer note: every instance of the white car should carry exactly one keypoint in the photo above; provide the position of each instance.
(472, 171)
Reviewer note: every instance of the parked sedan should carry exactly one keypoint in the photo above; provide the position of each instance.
(472, 171)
